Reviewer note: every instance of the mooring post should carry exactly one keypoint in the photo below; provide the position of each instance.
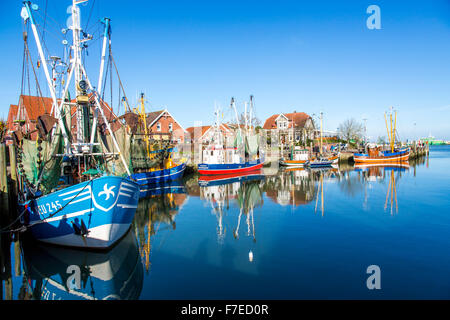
(17, 262)
(13, 170)
(4, 197)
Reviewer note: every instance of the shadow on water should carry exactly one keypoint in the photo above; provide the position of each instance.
(58, 273)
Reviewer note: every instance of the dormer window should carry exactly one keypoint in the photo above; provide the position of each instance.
(282, 124)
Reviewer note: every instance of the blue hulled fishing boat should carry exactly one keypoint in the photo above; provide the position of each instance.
(151, 159)
(74, 185)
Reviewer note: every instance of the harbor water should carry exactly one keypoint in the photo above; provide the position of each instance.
(279, 234)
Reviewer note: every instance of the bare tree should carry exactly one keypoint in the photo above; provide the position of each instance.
(350, 130)
(381, 140)
(254, 121)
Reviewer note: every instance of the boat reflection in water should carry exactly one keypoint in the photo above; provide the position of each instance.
(58, 273)
(156, 212)
(391, 171)
(243, 189)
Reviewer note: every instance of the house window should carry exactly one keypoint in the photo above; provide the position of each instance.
(158, 127)
(170, 127)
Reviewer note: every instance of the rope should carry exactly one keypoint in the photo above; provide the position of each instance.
(51, 215)
(90, 14)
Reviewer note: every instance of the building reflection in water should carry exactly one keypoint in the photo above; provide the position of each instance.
(59, 273)
(293, 187)
(155, 213)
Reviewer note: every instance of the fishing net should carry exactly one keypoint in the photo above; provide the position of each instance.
(49, 170)
(252, 144)
(113, 162)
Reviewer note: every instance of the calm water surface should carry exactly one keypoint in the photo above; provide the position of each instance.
(279, 235)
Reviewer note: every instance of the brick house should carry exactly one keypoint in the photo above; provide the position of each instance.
(162, 125)
(289, 127)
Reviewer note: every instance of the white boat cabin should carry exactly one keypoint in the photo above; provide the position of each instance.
(300, 154)
(220, 155)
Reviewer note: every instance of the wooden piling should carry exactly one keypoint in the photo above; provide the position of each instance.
(4, 196)
(3, 170)
(13, 171)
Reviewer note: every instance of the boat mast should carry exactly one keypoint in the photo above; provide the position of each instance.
(79, 73)
(144, 119)
(321, 121)
(251, 110)
(76, 48)
(27, 14)
(106, 21)
(391, 129)
(233, 105)
(245, 116)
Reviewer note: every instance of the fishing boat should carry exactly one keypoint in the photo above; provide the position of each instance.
(74, 187)
(320, 162)
(298, 158)
(171, 171)
(376, 154)
(244, 156)
(212, 180)
(151, 159)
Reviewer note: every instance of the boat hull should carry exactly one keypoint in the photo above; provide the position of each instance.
(294, 163)
(208, 169)
(159, 176)
(334, 159)
(214, 180)
(400, 156)
(92, 214)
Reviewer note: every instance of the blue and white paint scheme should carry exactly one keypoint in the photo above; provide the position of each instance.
(320, 163)
(91, 214)
(59, 273)
(159, 176)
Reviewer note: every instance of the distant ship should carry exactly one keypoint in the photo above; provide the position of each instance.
(433, 141)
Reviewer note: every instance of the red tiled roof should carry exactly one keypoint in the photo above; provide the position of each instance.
(298, 118)
(191, 130)
(151, 116)
(12, 116)
(36, 106)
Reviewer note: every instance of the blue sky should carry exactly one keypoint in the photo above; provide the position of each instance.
(308, 56)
